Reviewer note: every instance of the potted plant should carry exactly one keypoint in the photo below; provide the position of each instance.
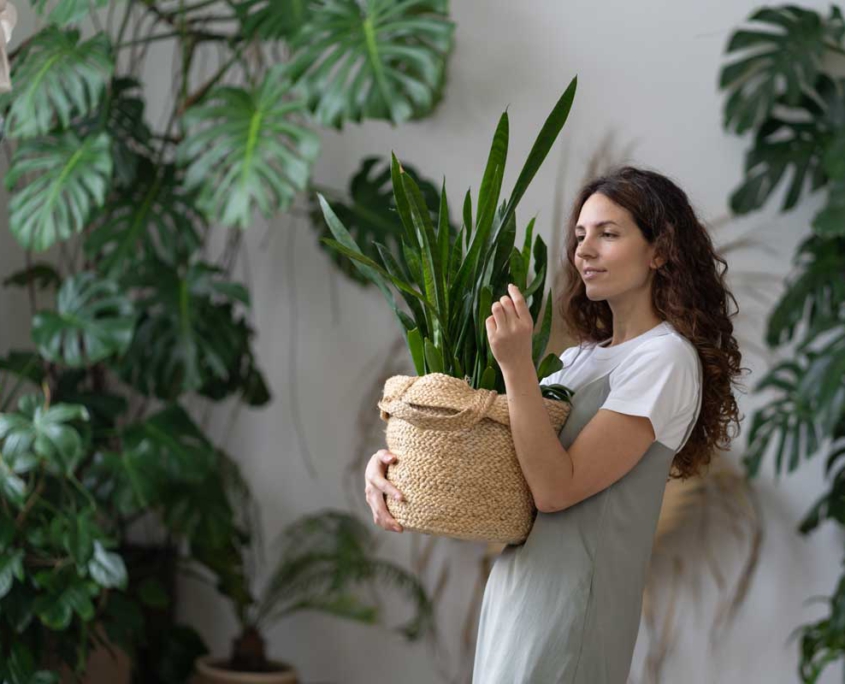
(449, 292)
(326, 563)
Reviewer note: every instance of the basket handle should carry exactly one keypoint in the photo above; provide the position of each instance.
(462, 420)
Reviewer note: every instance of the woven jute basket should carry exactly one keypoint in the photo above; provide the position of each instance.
(456, 464)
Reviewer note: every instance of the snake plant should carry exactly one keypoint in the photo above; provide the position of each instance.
(450, 285)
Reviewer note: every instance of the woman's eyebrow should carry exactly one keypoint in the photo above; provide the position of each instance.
(598, 225)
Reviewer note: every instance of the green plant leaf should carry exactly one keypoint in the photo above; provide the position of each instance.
(93, 320)
(271, 19)
(188, 337)
(370, 212)
(44, 432)
(378, 60)
(107, 568)
(11, 566)
(69, 11)
(250, 151)
(56, 78)
(153, 219)
(71, 178)
(791, 55)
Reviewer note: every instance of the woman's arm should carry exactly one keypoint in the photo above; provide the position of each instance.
(606, 449)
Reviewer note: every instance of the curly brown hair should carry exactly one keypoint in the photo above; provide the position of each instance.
(688, 291)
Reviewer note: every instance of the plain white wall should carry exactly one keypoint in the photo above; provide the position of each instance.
(647, 71)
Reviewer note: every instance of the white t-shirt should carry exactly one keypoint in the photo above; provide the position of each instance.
(657, 375)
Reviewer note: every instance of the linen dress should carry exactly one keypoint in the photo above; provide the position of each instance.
(564, 607)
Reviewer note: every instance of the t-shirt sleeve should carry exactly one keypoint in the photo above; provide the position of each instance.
(660, 381)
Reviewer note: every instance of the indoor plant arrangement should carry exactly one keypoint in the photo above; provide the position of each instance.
(326, 564)
(449, 294)
(105, 438)
(795, 110)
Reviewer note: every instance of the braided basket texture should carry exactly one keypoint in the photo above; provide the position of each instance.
(456, 464)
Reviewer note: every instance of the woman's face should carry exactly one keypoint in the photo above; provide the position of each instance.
(609, 240)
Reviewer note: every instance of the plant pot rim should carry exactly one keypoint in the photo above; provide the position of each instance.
(209, 664)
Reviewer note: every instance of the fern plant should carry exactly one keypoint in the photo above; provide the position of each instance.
(327, 563)
(779, 90)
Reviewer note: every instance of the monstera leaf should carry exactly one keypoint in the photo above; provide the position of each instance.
(56, 77)
(92, 321)
(817, 291)
(68, 11)
(187, 337)
(154, 219)
(271, 19)
(123, 113)
(381, 59)
(789, 421)
(370, 213)
(792, 54)
(251, 152)
(73, 177)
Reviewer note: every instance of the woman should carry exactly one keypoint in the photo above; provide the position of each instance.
(652, 375)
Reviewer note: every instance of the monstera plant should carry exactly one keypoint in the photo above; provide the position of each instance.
(131, 323)
(780, 91)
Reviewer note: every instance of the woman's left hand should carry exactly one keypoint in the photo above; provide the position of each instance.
(510, 330)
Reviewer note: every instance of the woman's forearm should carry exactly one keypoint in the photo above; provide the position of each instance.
(545, 464)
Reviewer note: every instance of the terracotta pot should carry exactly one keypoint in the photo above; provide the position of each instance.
(210, 671)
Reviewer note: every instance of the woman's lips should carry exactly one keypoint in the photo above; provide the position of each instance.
(592, 274)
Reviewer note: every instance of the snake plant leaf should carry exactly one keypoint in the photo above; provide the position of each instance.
(396, 271)
(790, 53)
(526, 244)
(430, 254)
(56, 78)
(467, 214)
(153, 219)
(517, 269)
(540, 339)
(244, 149)
(789, 421)
(817, 291)
(417, 349)
(188, 337)
(71, 178)
(92, 321)
(491, 183)
(433, 357)
(370, 213)
(383, 59)
(43, 431)
(271, 19)
(545, 139)
(539, 282)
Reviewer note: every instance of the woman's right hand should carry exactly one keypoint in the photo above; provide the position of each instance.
(377, 487)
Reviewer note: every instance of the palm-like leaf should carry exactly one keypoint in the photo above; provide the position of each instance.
(92, 321)
(249, 152)
(56, 78)
(370, 214)
(383, 59)
(792, 55)
(790, 419)
(73, 177)
(817, 291)
(326, 557)
(153, 219)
